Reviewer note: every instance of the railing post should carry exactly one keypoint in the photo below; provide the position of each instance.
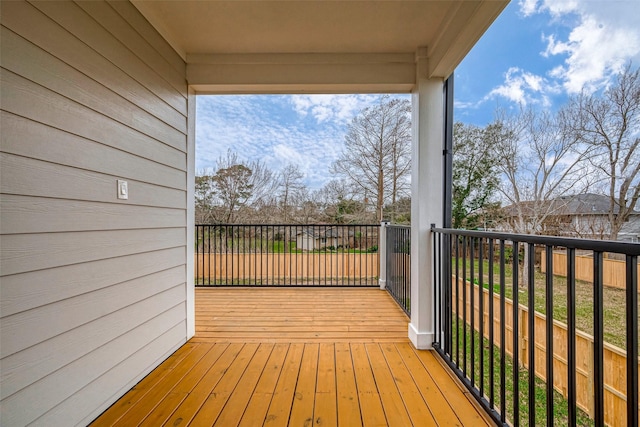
(382, 254)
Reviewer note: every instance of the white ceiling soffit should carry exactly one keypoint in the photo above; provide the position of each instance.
(317, 46)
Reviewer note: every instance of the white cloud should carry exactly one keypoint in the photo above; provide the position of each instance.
(528, 7)
(325, 108)
(523, 87)
(276, 130)
(603, 36)
(558, 8)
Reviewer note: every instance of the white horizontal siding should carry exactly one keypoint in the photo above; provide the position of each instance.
(21, 292)
(27, 138)
(34, 26)
(93, 287)
(137, 21)
(31, 252)
(112, 381)
(72, 18)
(23, 175)
(26, 405)
(68, 314)
(117, 26)
(25, 214)
(40, 67)
(39, 104)
(75, 335)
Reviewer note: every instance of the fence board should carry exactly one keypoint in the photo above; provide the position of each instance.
(614, 273)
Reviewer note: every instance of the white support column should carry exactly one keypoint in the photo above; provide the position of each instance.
(382, 255)
(426, 197)
(190, 229)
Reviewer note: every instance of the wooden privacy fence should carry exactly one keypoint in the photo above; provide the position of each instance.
(308, 268)
(614, 273)
(615, 380)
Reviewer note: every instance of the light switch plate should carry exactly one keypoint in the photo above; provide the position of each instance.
(123, 190)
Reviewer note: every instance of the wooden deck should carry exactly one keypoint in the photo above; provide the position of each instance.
(297, 357)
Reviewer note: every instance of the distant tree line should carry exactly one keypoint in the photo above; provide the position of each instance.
(238, 192)
(513, 167)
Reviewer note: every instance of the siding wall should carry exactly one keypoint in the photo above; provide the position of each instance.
(92, 288)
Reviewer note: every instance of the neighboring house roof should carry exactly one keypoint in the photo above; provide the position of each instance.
(584, 204)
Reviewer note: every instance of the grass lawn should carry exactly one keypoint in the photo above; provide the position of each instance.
(560, 409)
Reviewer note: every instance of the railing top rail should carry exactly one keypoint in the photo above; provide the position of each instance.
(627, 248)
(288, 225)
(399, 226)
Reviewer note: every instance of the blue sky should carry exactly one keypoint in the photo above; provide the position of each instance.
(536, 53)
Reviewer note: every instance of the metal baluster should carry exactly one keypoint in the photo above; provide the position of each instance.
(472, 303)
(571, 334)
(515, 331)
(549, 333)
(491, 327)
(481, 310)
(457, 302)
(503, 340)
(632, 340)
(598, 340)
(448, 296)
(464, 306)
(532, 336)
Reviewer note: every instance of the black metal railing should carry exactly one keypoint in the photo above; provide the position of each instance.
(286, 255)
(398, 259)
(496, 295)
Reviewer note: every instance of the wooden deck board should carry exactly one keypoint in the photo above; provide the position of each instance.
(220, 395)
(392, 403)
(156, 394)
(368, 395)
(298, 357)
(282, 400)
(235, 407)
(258, 406)
(417, 408)
(325, 411)
(304, 402)
(191, 405)
(349, 412)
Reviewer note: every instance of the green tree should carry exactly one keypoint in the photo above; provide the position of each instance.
(204, 198)
(237, 191)
(474, 174)
(233, 186)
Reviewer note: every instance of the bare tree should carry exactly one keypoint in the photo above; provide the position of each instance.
(609, 126)
(538, 161)
(376, 158)
(338, 203)
(291, 190)
(308, 212)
